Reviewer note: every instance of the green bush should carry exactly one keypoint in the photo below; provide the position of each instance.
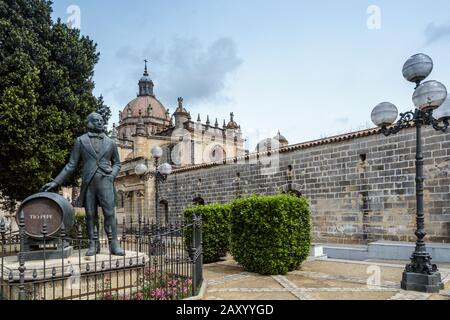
(215, 229)
(270, 234)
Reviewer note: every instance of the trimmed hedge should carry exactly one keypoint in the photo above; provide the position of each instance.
(215, 229)
(270, 234)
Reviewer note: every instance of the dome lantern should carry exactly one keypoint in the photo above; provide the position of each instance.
(232, 124)
(145, 84)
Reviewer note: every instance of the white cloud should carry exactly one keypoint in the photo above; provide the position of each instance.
(434, 32)
(184, 68)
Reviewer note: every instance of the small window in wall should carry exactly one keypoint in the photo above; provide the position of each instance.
(289, 170)
(363, 157)
(199, 201)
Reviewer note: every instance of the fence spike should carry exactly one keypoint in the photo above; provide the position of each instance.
(79, 232)
(2, 226)
(44, 228)
(95, 233)
(63, 231)
(124, 229)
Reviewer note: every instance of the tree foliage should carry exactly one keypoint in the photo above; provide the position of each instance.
(103, 110)
(46, 86)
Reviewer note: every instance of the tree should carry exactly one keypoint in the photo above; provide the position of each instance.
(103, 110)
(46, 85)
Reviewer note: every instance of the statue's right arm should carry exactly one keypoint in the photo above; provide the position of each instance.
(68, 170)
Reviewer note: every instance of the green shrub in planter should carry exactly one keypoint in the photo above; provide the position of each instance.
(215, 229)
(270, 234)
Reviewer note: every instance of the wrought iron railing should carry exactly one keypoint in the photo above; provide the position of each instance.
(159, 265)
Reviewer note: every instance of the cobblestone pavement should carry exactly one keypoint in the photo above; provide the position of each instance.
(321, 279)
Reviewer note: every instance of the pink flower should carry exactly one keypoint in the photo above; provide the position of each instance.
(159, 294)
(172, 283)
(138, 296)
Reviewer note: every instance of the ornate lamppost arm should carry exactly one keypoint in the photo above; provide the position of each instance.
(435, 123)
(404, 122)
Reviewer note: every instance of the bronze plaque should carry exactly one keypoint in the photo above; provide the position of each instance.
(40, 210)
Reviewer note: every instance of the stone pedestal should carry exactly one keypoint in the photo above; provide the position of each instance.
(430, 283)
(49, 254)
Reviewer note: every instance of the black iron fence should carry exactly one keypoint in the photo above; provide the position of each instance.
(162, 262)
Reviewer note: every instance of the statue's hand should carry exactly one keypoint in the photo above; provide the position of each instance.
(49, 186)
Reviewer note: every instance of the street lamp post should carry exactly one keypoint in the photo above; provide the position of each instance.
(420, 274)
(160, 174)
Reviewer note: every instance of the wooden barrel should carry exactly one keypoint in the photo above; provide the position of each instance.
(46, 207)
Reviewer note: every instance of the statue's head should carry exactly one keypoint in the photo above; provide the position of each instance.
(95, 123)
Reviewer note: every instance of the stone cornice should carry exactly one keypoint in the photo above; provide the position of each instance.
(289, 148)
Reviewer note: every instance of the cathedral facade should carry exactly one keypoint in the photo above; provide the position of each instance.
(144, 123)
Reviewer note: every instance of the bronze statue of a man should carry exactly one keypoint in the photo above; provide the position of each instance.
(101, 164)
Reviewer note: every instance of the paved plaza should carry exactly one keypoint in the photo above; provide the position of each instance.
(318, 279)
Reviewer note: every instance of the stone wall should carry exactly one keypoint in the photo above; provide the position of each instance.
(360, 185)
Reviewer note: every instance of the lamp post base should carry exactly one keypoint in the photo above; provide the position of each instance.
(429, 283)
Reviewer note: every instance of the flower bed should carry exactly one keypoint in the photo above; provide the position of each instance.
(153, 285)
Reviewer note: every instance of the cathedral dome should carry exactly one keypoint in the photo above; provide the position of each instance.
(274, 143)
(146, 104)
(281, 139)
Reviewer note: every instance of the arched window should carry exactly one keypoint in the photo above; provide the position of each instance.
(120, 201)
(164, 210)
(217, 154)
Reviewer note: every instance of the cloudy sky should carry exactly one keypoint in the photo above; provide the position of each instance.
(308, 68)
